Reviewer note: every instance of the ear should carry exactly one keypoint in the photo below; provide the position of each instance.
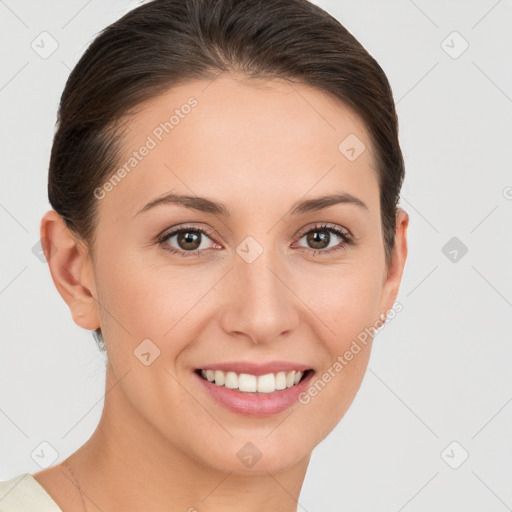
(395, 270)
(71, 269)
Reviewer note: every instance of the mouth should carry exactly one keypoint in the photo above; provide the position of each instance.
(249, 383)
(262, 393)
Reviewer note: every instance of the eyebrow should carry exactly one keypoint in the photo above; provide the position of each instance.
(205, 205)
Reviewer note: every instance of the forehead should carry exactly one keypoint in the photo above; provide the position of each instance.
(229, 137)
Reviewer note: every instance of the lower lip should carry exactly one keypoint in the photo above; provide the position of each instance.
(255, 404)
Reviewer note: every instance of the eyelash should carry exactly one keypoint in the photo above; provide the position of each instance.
(344, 235)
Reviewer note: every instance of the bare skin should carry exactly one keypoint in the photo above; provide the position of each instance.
(162, 443)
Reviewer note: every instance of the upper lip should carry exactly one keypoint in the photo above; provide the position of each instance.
(256, 368)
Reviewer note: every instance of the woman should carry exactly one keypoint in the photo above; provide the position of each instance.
(224, 182)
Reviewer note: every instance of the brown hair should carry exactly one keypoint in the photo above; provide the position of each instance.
(166, 42)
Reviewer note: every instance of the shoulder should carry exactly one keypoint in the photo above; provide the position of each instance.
(23, 493)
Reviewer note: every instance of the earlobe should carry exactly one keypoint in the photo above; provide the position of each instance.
(69, 263)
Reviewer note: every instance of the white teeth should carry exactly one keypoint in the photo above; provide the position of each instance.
(280, 380)
(219, 378)
(248, 383)
(266, 383)
(231, 380)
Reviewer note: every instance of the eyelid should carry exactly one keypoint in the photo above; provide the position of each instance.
(326, 225)
(182, 227)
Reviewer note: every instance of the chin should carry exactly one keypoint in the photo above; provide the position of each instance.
(259, 456)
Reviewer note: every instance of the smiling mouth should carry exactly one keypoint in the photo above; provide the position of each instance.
(248, 383)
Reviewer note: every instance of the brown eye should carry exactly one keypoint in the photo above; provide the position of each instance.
(189, 241)
(326, 238)
(318, 239)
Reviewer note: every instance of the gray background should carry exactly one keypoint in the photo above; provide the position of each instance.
(438, 387)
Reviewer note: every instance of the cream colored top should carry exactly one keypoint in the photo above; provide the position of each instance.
(24, 493)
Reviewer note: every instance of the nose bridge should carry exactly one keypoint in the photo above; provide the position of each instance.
(260, 305)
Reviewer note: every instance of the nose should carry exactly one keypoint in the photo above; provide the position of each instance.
(260, 304)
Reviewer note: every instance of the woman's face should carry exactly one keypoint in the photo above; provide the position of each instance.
(259, 281)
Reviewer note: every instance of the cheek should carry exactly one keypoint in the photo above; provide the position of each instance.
(150, 301)
(346, 303)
